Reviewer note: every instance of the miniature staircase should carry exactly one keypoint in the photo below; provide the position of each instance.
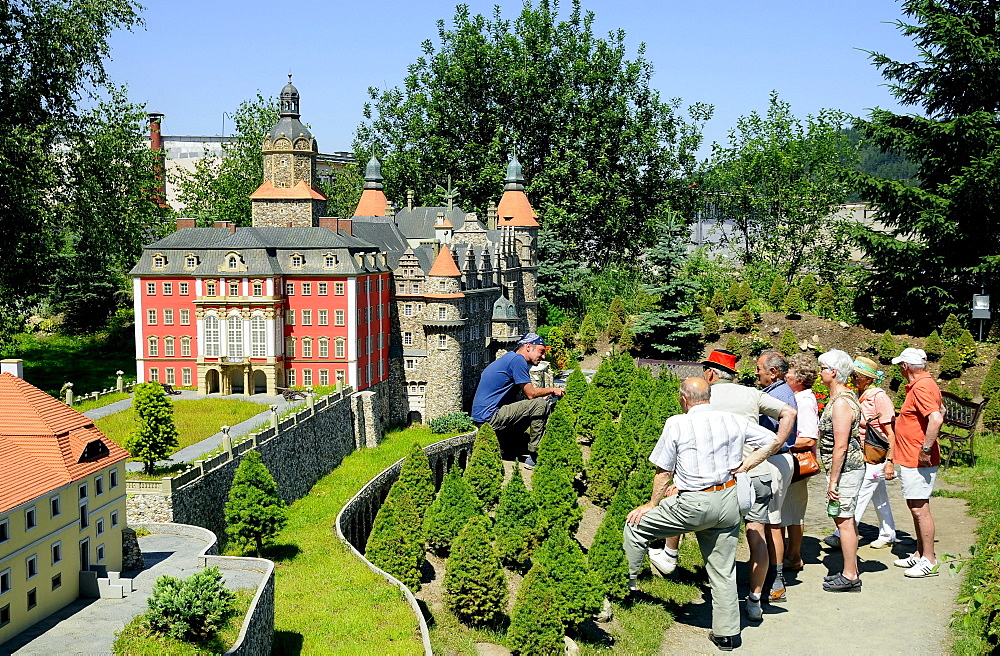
(98, 583)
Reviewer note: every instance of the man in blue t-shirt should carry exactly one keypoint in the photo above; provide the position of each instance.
(503, 382)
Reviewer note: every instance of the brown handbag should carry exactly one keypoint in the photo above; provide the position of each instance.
(806, 464)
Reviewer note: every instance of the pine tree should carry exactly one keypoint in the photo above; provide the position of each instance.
(966, 348)
(718, 302)
(576, 388)
(933, 347)
(254, 510)
(951, 363)
(536, 627)
(826, 302)
(155, 435)
(951, 330)
(777, 293)
(416, 480)
(788, 345)
(615, 328)
(991, 384)
(711, 327)
(808, 289)
(577, 594)
(735, 345)
(517, 526)
(558, 446)
(887, 348)
(608, 465)
(627, 342)
(556, 499)
(474, 585)
(588, 334)
(485, 470)
(991, 415)
(606, 558)
(394, 545)
(455, 504)
(592, 412)
(793, 305)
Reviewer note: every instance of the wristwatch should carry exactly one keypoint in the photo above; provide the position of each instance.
(925, 449)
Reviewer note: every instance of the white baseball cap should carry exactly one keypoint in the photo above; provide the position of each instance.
(911, 356)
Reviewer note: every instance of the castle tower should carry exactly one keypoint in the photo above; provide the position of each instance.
(515, 214)
(288, 196)
(373, 201)
(443, 322)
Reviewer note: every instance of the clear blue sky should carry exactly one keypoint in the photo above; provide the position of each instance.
(196, 60)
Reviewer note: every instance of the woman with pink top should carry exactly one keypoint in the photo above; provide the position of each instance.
(802, 371)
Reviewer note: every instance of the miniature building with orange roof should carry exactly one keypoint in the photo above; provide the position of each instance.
(62, 506)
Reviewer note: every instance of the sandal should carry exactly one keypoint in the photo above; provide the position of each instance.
(841, 583)
(794, 567)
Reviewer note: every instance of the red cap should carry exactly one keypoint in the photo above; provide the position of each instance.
(724, 360)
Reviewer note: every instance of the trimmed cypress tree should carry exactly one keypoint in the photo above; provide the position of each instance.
(639, 486)
(788, 345)
(951, 330)
(718, 302)
(576, 388)
(826, 302)
(485, 470)
(613, 380)
(933, 347)
(615, 327)
(711, 327)
(627, 341)
(578, 597)
(951, 363)
(991, 415)
(887, 348)
(454, 506)
(608, 465)
(743, 295)
(606, 558)
(592, 413)
(254, 510)
(745, 319)
(555, 498)
(808, 288)
(474, 585)
(394, 545)
(535, 624)
(793, 305)
(651, 430)
(966, 348)
(517, 528)
(992, 381)
(558, 446)
(416, 480)
(617, 309)
(634, 414)
(776, 294)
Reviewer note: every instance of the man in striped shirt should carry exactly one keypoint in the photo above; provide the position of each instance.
(699, 452)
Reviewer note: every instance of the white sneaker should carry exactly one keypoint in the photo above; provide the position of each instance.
(881, 543)
(922, 569)
(662, 563)
(633, 585)
(907, 562)
(754, 611)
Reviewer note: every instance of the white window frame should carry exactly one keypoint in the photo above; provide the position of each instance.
(30, 518)
(185, 317)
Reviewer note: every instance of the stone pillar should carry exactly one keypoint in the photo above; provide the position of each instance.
(367, 426)
(131, 553)
(310, 399)
(120, 383)
(274, 416)
(69, 394)
(227, 442)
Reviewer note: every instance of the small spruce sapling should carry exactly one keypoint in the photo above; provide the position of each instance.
(416, 480)
(592, 412)
(254, 511)
(826, 302)
(966, 348)
(991, 384)
(627, 341)
(556, 499)
(793, 305)
(608, 465)
(617, 309)
(776, 294)
(711, 327)
(718, 303)
(951, 330)
(155, 435)
(887, 348)
(951, 363)
(745, 319)
(606, 558)
(558, 446)
(578, 596)
(576, 388)
(536, 626)
(517, 527)
(485, 470)
(588, 334)
(933, 347)
(474, 585)
(991, 415)
(809, 289)
(788, 345)
(454, 506)
(735, 345)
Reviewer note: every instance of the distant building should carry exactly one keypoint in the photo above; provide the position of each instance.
(62, 504)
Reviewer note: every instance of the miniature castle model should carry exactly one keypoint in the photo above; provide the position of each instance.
(417, 301)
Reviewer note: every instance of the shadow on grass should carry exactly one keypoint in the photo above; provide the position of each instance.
(281, 553)
(286, 642)
(158, 472)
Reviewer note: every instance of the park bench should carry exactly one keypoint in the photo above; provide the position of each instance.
(961, 421)
(291, 394)
(169, 389)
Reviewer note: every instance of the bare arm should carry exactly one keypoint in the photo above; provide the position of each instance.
(888, 470)
(786, 421)
(934, 422)
(661, 481)
(769, 444)
(843, 419)
(532, 392)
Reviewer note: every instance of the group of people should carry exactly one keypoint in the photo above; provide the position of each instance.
(740, 454)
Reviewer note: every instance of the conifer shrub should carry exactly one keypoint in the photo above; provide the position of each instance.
(951, 363)
(933, 347)
(556, 499)
(627, 341)
(416, 480)
(558, 353)
(718, 302)
(991, 414)
(887, 348)
(606, 558)
(959, 390)
(951, 330)
(558, 446)
(577, 593)
(826, 302)
(190, 609)
(396, 543)
(652, 427)
(576, 388)
(993, 335)
(453, 422)
(588, 334)
(743, 295)
(613, 379)
(896, 379)
(788, 345)
(634, 414)
(670, 400)
(615, 327)
(735, 345)
(592, 413)
(617, 309)
(474, 585)
(777, 293)
(992, 381)
(711, 327)
(808, 289)
(793, 305)
(608, 465)
(966, 348)
(517, 528)
(155, 435)
(745, 319)
(454, 506)
(254, 511)
(536, 626)
(639, 485)
(485, 470)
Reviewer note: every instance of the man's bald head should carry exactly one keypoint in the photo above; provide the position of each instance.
(695, 391)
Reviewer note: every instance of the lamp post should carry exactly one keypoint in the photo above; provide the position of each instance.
(981, 310)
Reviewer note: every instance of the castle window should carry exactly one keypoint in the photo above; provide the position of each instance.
(290, 317)
(329, 261)
(213, 337)
(307, 317)
(338, 288)
(170, 376)
(56, 553)
(442, 313)
(168, 317)
(338, 317)
(234, 325)
(190, 262)
(408, 310)
(323, 317)
(168, 288)
(154, 347)
(159, 261)
(290, 377)
(183, 289)
(415, 288)
(258, 288)
(443, 285)
(411, 363)
(289, 289)
(324, 377)
(4, 533)
(258, 337)
(290, 348)
(407, 339)
(234, 288)
(338, 348)
(150, 289)
(168, 347)
(322, 288)
(233, 262)
(442, 341)
(31, 566)
(55, 506)
(307, 377)
(185, 348)
(186, 382)
(210, 288)
(307, 289)
(151, 317)
(307, 349)
(298, 261)
(324, 350)
(30, 518)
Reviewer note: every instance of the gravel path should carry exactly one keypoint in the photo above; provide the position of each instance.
(892, 614)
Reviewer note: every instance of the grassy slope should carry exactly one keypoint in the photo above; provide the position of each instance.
(88, 361)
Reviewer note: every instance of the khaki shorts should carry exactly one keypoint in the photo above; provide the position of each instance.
(850, 486)
(793, 511)
(758, 510)
(782, 470)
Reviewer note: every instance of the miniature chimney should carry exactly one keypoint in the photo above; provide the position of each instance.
(14, 367)
(156, 145)
(409, 199)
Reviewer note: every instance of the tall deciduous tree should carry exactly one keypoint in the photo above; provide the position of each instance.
(254, 511)
(155, 435)
(604, 156)
(950, 223)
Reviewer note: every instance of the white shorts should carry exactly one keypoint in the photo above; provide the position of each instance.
(917, 482)
(782, 470)
(793, 511)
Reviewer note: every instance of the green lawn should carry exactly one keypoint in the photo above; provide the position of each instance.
(196, 419)
(91, 404)
(327, 600)
(87, 361)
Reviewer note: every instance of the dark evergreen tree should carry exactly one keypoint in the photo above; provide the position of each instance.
(517, 527)
(536, 626)
(617, 309)
(608, 465)
(606, 558)
(627, 342)
(992, 381)
(576, 387)
(613, 380)
(951, 330)
(933, 347)
(556, 499)
(959, 390)
(455, 504)
(577, 594)
(485, 470)
(474, 585)
(592, 413)
(639, 486)
(558, 446)
(711, 327)
(254, 511)
(651, 430)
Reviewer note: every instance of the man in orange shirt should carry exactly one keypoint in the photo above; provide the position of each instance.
(918, 456)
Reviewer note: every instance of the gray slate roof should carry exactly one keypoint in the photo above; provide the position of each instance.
(381, 231)
(418, 223)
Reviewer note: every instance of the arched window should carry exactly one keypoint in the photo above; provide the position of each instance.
(258, 337)
(185, 347)
(298, 261)
(168, 347)
(324, 348)
(339, 348)
(212, 336)
(154, 347)
(234, 334)
(234, 262)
